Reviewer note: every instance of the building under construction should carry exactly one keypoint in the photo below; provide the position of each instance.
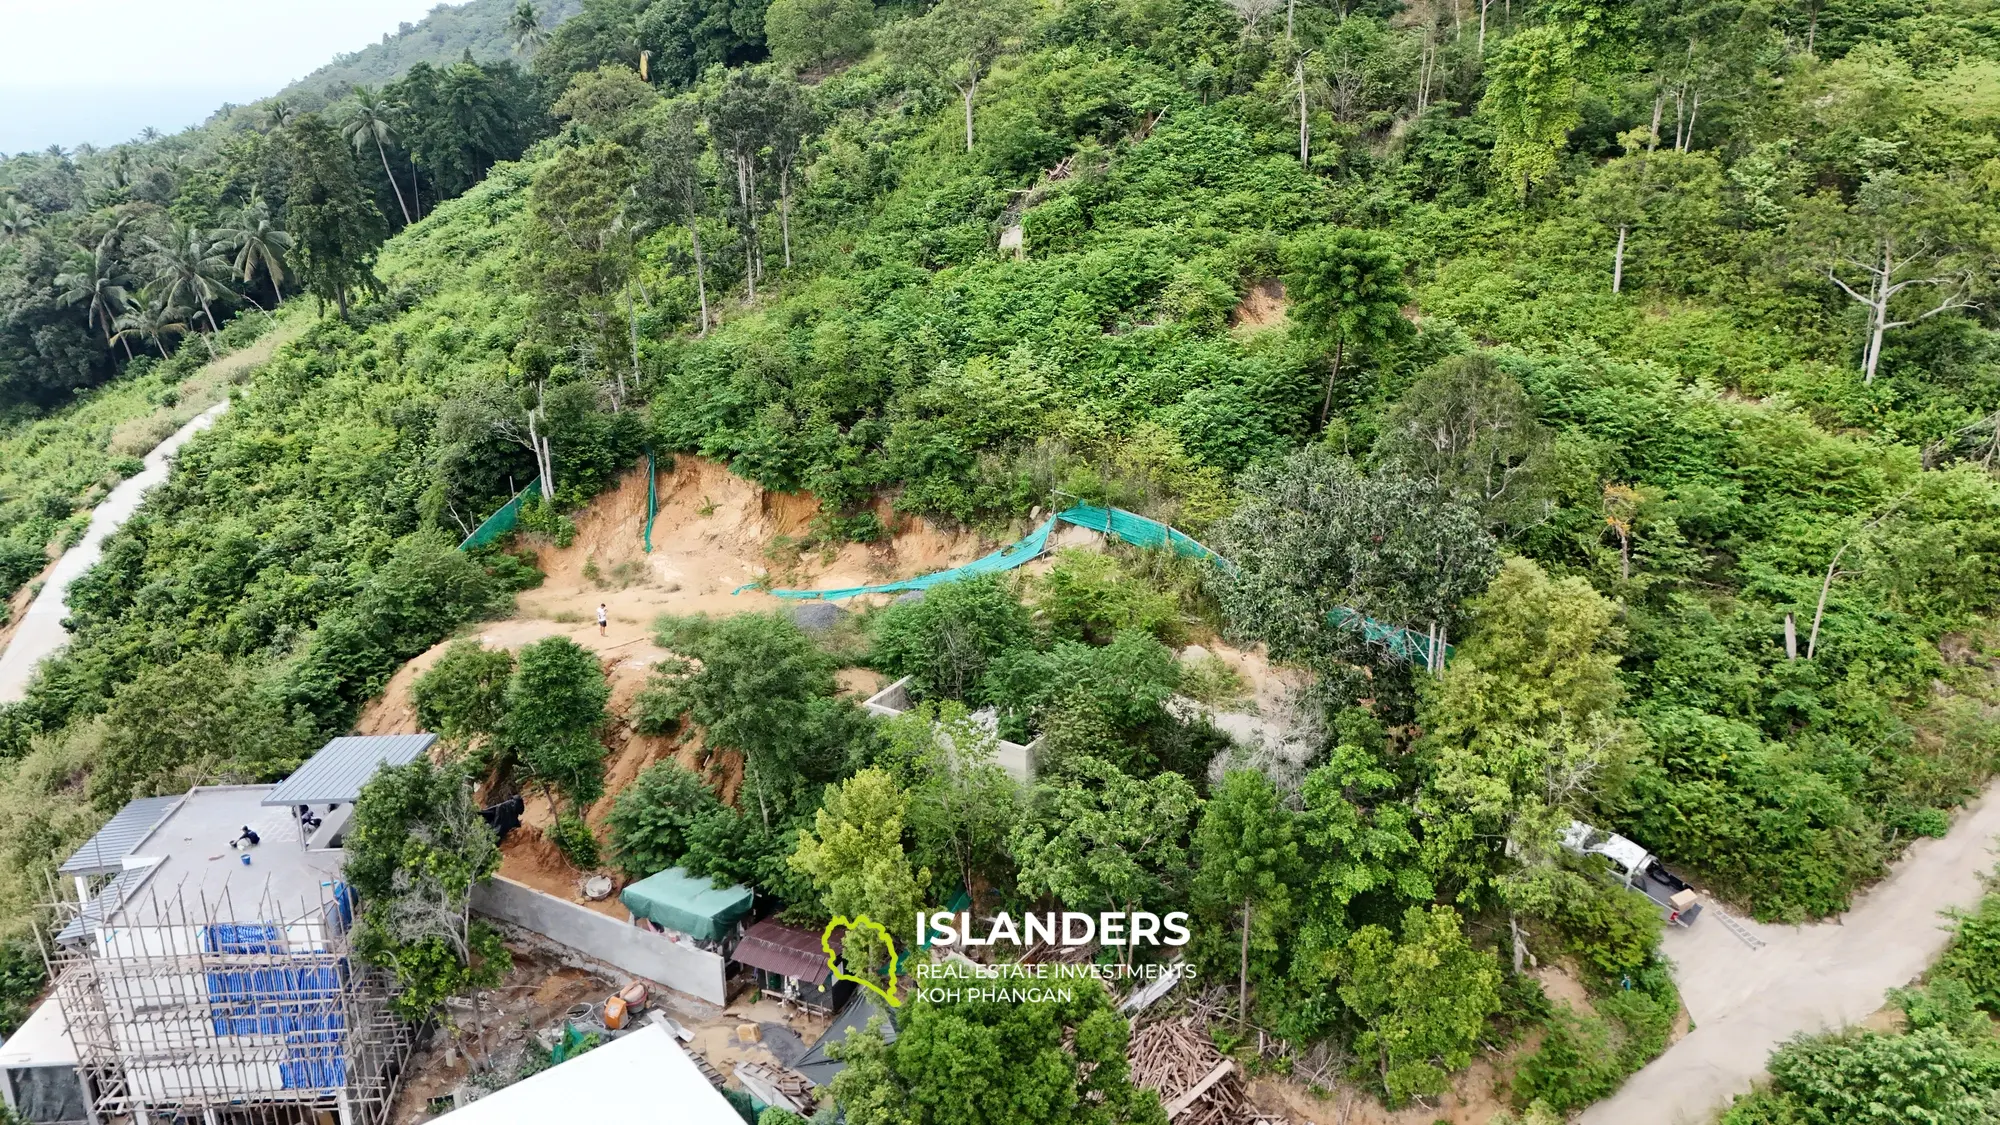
(205, 972)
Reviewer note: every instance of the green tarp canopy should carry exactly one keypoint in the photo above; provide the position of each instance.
(687, 903)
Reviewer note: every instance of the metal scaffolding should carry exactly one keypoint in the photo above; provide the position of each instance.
(190, 1009)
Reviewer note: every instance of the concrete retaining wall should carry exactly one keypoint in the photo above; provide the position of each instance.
(621, 945)
(1016, 759)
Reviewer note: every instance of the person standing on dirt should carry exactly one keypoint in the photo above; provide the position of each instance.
(603, 619)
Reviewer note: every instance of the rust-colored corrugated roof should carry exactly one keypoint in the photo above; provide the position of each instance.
(785, 950)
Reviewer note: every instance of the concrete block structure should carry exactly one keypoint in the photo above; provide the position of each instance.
(1018, 760)
(206, 972)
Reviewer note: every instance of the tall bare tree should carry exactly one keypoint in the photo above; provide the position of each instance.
(1904, 235)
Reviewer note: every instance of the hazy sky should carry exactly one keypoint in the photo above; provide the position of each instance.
(100, 70)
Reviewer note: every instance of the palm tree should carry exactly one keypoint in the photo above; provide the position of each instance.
(185, 263)
(372, 119)
(469, 103)
(110, 179)
(152, 320)
(278, 113)
(100, 282)
(526, 28)
(16, 219)
(258, 242)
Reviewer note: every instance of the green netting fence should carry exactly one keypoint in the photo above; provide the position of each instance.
(1417, 648)
(652, 499)
(500, 522)
(1140, 532)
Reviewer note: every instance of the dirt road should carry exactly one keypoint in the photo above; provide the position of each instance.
(1745, 1001)
(41, 632)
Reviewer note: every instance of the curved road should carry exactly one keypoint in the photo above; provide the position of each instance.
(41, 634)
(1746, 1001)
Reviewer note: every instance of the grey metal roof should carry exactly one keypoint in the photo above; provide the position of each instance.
(343, 766)
(819, 1067)
(104, 905)
(106, 851)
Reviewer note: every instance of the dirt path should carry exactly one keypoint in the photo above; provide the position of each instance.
(41, 633)
(714, 532)
(1805, 979)
(34, 631)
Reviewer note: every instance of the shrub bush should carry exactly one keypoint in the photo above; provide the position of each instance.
(572, 836)
(1087, 596)
(652, 822)
(1586, 1057)
(949, 639)
(1974, 954)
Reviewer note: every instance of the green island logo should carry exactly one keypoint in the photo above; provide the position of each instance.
(861, 922)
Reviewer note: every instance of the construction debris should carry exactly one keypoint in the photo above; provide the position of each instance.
(774, 1085)
(1149, 994)
(707, 1069)
(673, 1026)
(1042, 953)
(1196, 1083)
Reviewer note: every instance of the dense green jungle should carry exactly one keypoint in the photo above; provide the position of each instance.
(1647, 352)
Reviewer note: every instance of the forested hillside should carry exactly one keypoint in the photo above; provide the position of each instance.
(483, 29)
(1642, 350)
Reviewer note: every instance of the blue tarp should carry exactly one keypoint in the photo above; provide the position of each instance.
(301, 1004)
(1134, 529)
(316, 1060)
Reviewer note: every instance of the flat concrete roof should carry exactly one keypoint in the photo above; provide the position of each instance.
(644, 1076)
(42, 1040)
(191, 861)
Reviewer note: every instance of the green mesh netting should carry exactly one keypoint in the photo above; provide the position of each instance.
(1006, 558)
(652, 499)
(500, 522)
(1139, 531)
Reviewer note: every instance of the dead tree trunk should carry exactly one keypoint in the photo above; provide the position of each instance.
(1243, 972)
(1305, 122)
(970, 92)
(1332, 377)
(632, 323)
(746, 196)
(1833, 571)
(785, 209)
(1882, 291)
(538, 444)
(700, 275)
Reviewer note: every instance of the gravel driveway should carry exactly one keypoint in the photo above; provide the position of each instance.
(1745, 1001)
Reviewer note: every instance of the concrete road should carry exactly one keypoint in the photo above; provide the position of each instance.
(1745, 1001)
(41, 632)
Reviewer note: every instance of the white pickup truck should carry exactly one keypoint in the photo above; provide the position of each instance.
(1637, 868)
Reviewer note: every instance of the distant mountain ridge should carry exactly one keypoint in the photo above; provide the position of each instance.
(443, 36)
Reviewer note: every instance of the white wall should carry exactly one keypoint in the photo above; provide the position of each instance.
(1016, 759)
(621, 945)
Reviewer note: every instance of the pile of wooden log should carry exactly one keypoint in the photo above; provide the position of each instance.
(1042, 953)
(1196, 1083)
